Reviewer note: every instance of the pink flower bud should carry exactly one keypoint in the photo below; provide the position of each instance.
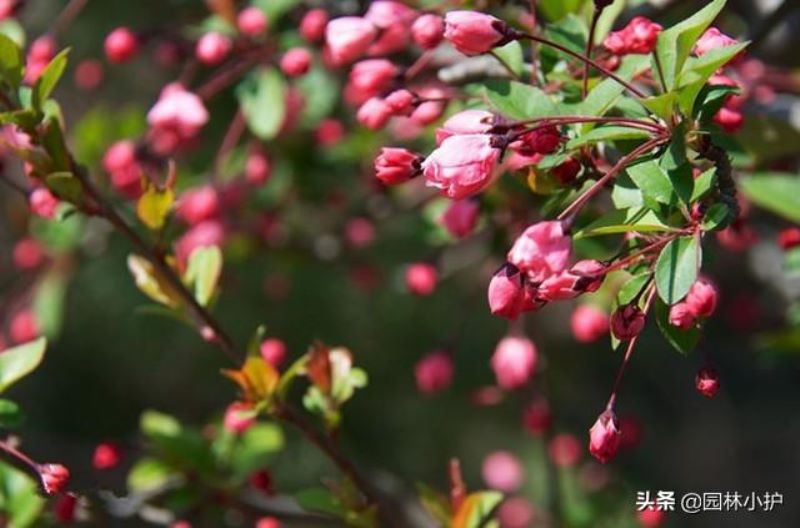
(239, 417)
(639, 36)
(516, 512)
(466, 122)
(28, 254)
(198, 204)
(373, 76)
(359, 232)
(88, 74)
(257, 169)
(540, 141)
(24, 327)
(713, 38)
(204, 234)
(273, 351)
(401, 102)
(387, 13)
(507, 293)
(296, 62)
(651, 517)
(65, 507)
(460, 218)
(121, 45)
(213, 48)
(421, 279)
(374, 114)
(702, 298)
(434, 373)
(43, 49)
(474, 33)
(348, 38)
(682, 316)
(565, 450)
(707, 382)
(126, 173)
(43, 203)
(589, 323)
(627, 322)
(502, 471)
(542, 250)
(537, 418)
(329, 132)
(730, 120)
(54, 478)
(253, 22)
(106, 456)
(462, 166)
(604, 437)
(312, 27)
(428, 31)
(789, 238)
(7, 8)
(397, 165)
(513, 362)
(585, 276)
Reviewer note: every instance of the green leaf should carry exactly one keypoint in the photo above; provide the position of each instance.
(609, 92)
(653, 182)
(11, 415)
(677, 268)
(48, 302)
(148, 474)
(476, 508)
(628, 291)
(704, 184)
(49, 78)
(11, 62)
(254, 448)
(203, 270)
(717, 217)
(607, 133)
(262, 96)
(557, 9)
(320, 500)
(677, 167)
(709, 101)
(676, 43)
(776, 192)
(684, 341)
(65, 186)
(154, 424)
(19, 361)
(662, 105)
(20, 501)
(512, 55)
(517, 100)
(698, 71)
(150, 282)
(638, 219)
(274, 9)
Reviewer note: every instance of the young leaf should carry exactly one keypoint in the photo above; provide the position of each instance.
(697, 72)
(677, 167)
(512, 55)
(776, 192)
(517, 100)
(257, 379)
(638, 219)
(677, 268)
(49, 78)
(608, 92)
(683, 341)
(676, 43)
(661, 105)
(150, 283)
(476, 508)
(704, 183)
(19, 361)
(263, 100)
(203, 270)
(11, 61)
(653, 181)
(607, 133)
(154, 206)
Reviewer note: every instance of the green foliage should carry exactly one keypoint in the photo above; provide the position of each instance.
(777, 192)
(11, 62)
(19, 361)
(262, 96)
(203, 271)
(19, 500)
(48, 79)
(512, 55)
(517, 100)
(677, 268)
(634, 219)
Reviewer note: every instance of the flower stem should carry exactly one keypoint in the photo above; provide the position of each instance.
(589, 47)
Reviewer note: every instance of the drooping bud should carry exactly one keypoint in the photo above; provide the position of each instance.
(461, 217)
(604, 437)
(374, 114)
(702, 298)
(348, 38)
(372, 76)
(707, 382)
(506, 292)
(682, 316)
(627, 322)
(462, 166)
(542, 250)
(467, 122)
(397, 165)
(401, 102)
(428, 31)
(585, 276)
(474, 33)
(54, 477)
(514, 361)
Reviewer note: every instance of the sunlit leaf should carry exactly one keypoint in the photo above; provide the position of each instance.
(154, 205)
(257, 379)
(203, 271)
(677, 268)
(19, 361)
(151, 283)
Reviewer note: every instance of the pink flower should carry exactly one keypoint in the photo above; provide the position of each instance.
(374, 114)
(474, 33)
(41, 52)
(713, 38)
(428, 31)
(434, 373)
(213, 48)
(682, 316)
(585, 276)
(359, 232)
(106, 456)
(253, 22)
(627, 322)
(730, 120)
(177, 117)
(348, 38)
(329, 132)
(121, 163)
(397, 165)
(421, 278)
(121, 45)
(24, 327)
(702, 298)
(466, 122)
(198, 204)
(204, 234)
(513, 362)
(507, 293)
(373, 76)
(565, 450)
(28, 254)
(462, 165)
(268, 522)
(273, 351)
(461, 217)
(7, 8)
(589, 323)
(639, 36)
(401, 102)
(707, 382)
(54, 477)
(312, 27)
(502, 471)
(429, 111)
(789, 238)
(604, 437)
(239, 417)
(88, 74)
(387, 13)
(542, 250)
(43, 203)
(257, 168)
(296, 62)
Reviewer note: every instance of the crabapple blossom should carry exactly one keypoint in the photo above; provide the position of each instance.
(198, 204)
(604, 436)
(627, 322)
(296, 62)
(43, 203)
(372, 76)
(397, 165)
(682, 316)
(589, 323)
(40, 53)
(543, 250)
(651, 517)
(312, 26)
(514, 361)
(639, 36)
(88, 74)
(702, 298)
(460, 217)
(273, 351)
(584, 276)
(540, 141)
(177, 117)
(428, 31)
(713, 38)
(268, 522)
(567, 171)
(789, 238)
(203, 234)
(516, 512)
(506, 292)
(359, 232)
(24, 327)
(121, 45)
(213, 48)
(28, 254)
(462, 166)
(252, 21)
(374, 114)
(502, 471)
(65, 507)
(434, 372)
(257, 168)
(54, 478)
(239, 417)
(348, 38)
(329, 132)
(401, 102)
(106, 456)
(474, 33)
(121, 163)
(707, 382)
(537, 417)
(421, 278)
(467, 122)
